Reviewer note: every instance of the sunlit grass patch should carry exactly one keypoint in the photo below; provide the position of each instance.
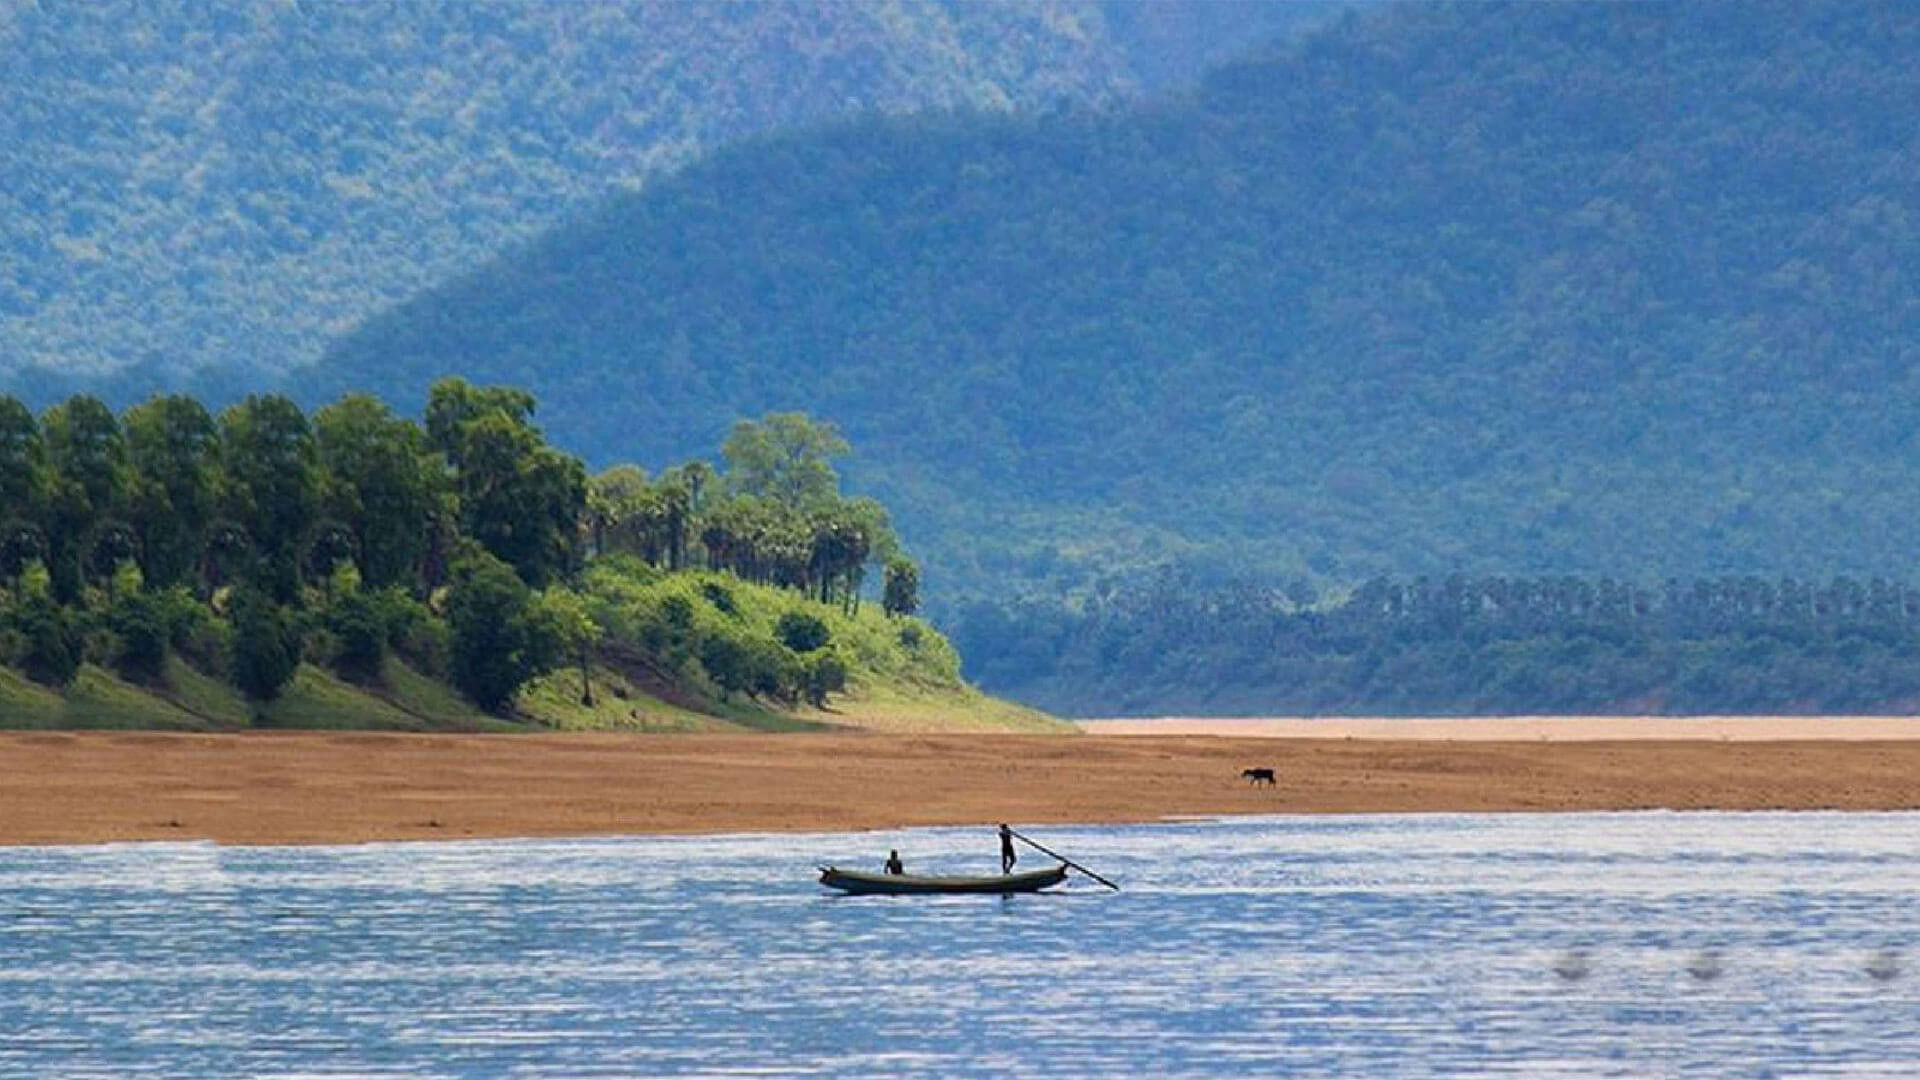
(97, 698)
(205, 696)
(26, 704)
(317, 699)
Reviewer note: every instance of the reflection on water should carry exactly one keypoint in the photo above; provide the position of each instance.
(1388, 946)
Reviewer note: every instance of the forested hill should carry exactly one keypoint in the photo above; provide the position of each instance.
(185, 184)
(1536, 288)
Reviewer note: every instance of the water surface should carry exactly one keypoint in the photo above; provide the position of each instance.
(1404, 946)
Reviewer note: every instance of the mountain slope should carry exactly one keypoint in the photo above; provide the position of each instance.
(185, 185)
(1504, 288)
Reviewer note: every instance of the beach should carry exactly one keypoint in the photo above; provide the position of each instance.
(328, 787)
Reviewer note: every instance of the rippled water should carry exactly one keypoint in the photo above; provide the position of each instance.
(1392, 946)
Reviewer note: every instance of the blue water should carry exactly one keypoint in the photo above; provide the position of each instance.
(1738, 945)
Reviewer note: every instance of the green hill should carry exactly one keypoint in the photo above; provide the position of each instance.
(901, 676)
(191, 186)
(1535, 288)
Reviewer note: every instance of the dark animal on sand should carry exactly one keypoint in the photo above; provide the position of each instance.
(1258, 776)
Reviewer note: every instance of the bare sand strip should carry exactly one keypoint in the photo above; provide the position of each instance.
(319, 787)
(1530, 728)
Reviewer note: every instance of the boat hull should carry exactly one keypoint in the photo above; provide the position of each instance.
(859, 883)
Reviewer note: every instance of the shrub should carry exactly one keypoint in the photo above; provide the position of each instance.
(265, 647)
(720, 597)
(138, 620)
(497, 643)
(826, 673)
(900, 591)
(50, 645)
(803, 633)
(427, 644)
(727, 663)
(360, 632)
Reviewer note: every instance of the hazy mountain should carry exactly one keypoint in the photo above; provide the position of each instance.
(1623, 288)
(186, 184)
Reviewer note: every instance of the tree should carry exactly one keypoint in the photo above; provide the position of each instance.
(173, 445)
(52, 647)
(265, 648)
(900, 588)
(786, 457)
(615, 500)
(358, 624)
(698, 477)
(572, 625)
(273, 484)
(519, 498)
(22, 544)
(139, 620)
(497, 643)
(453, 403)
(381, 481)
(23, 463)
(87, 459)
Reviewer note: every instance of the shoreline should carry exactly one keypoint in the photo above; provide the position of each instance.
(1525, 728)
(339, 787)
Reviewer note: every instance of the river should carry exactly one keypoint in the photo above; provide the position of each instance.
(1643, 944)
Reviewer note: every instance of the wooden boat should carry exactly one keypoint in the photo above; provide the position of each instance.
(860, 883)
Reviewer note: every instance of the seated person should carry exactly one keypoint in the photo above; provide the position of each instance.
(894, 866)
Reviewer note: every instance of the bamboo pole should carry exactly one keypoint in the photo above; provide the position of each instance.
(1064, 859)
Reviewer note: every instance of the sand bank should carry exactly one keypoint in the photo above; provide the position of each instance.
(313, 787)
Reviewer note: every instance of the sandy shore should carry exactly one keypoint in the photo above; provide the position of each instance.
(314, 787)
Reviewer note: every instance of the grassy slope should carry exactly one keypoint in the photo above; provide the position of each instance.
(97, 698)
(902, 677)
(24, 704)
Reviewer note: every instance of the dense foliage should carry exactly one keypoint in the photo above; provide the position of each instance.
(1535, 288)
(1467, 646)
(188, 184)
(247, 542)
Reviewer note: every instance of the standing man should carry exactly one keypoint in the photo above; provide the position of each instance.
(1007, 857)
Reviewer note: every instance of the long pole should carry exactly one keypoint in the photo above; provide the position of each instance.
(1064, 859)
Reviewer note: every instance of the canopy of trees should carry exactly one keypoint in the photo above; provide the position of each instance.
(1464, 646)
(251, 540)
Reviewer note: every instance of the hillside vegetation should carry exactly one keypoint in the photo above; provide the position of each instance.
(190, 185)
(166, 568)
(1534, 288)
(1465, 646)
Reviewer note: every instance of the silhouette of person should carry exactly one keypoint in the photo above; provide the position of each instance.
(894, 865)
(1007, 857)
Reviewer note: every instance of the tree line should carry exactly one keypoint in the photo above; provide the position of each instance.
(1463, 645)
(246, 540)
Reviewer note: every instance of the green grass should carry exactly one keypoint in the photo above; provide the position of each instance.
(27, 704)
(205, 696)
(553, 701)
(317, 699)
(97, 698)
(897, 708)
(433, 703)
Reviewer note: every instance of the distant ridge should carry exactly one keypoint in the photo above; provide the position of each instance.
(185, 185)
(1534, 288)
